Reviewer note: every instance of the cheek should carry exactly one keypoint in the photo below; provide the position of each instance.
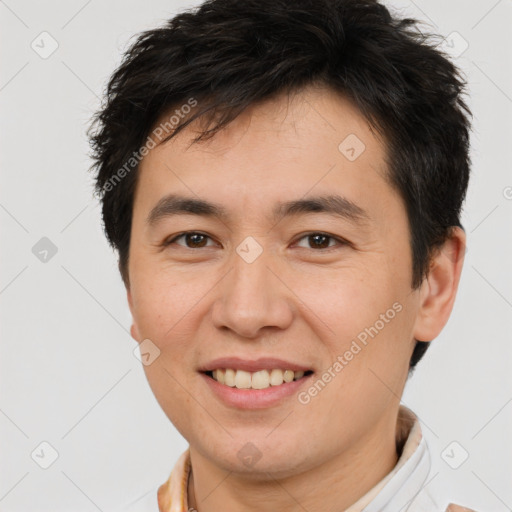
(365, 315)
(171, 392)
(172, 311)
(347, 299)
(161, 299)
(166, 313)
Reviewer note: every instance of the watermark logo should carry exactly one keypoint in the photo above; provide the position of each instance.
(45, 45)
(44, 250)
(249, 250)
(44, 455)
(249, 454)
(146, 352)
(455, 455)
(454, 44)
(352, 147)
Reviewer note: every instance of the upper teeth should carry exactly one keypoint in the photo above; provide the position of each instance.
(256, 380)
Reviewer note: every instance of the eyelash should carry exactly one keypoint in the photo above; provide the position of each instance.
(340, 241)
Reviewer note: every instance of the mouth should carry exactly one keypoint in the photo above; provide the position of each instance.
(261, 379)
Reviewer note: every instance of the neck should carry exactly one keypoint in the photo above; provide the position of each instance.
(336, 484)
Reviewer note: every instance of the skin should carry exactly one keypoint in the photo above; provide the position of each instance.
(296, 301)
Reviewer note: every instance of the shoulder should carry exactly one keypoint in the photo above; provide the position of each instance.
(458, 508)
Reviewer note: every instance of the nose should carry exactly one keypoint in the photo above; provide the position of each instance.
(252, 298)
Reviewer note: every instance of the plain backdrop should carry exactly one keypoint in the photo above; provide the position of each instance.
(69, 377)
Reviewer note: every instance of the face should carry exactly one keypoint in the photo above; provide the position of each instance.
(305, 259)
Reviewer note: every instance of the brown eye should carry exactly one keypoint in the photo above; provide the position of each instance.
(320, 241)
(193, 240)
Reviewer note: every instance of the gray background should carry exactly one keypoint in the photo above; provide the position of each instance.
(68, 373)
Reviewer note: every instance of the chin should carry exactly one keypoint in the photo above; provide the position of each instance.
(258, 455)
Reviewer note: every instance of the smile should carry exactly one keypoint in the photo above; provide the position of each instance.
(261, 379)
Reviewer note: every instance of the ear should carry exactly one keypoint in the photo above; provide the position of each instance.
(134, 330)
(439, 288)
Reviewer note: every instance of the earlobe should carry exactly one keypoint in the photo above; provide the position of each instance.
(134, 331)
(439, 288)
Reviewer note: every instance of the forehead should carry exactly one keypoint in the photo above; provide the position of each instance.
(314, 142)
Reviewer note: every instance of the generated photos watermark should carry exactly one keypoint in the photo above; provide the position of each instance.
(358, 343)
(162, 129)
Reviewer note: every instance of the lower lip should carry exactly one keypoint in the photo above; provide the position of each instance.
(255, 398)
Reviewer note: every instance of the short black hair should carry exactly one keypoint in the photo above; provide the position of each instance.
(230, 54)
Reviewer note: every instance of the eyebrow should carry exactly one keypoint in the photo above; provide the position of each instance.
(174, 204)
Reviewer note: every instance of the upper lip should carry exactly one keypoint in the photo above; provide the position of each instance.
(253, 365)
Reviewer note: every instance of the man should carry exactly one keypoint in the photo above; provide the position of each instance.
(283, 181)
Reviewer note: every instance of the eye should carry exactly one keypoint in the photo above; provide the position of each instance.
(315, 240)
(195, 239)
(320, 240)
